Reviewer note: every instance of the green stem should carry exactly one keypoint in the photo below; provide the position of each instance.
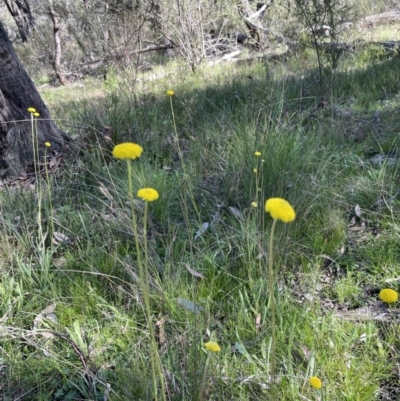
(141, 274)
(36, 136)
(50, 201)
(272, 304)
(204, 378)
(156, 361)
(134, 224)
(33, 144)
(176, 136)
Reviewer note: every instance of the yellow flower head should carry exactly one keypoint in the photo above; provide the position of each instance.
(315, 382)
(32, 110)
(212, 346)
(388, 295)
(127, 150)
(254, 204)
(148, 194)
(170, 92)
(258, 154)
(255, 170)
(280, 209)
(36, 114)
(47, 144)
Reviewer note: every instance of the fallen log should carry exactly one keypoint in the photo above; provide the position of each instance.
(379, 19)
(390, 47)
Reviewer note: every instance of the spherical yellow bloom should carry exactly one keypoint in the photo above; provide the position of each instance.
(148, 194)
(36, 114)
(388, 295)
(127, 150)
(47, 144)
(32, 110)
(254, 204)
(315, 382)
(170, 92)
(255, 170)
(257, 154)
(280, 209)
(212, 346)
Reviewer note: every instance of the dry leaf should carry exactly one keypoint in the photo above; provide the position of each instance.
(258, 322)
(237, 213)
(60, 238)
(391, 280)
(105, 192)
(48, 314)
(161, 332)
(193, 272)
(54, 162)
(189, 305)
(201, 230)
(375, 311)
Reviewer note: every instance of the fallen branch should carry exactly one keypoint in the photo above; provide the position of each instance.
(95, 64)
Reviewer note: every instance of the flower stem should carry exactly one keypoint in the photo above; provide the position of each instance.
(142, 277)
(204, 378)
(176, 136)
(33, 144)
(146, 291)
(50, 217)
(271, 283)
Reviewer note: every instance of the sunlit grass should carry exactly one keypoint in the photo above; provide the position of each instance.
(207, 244)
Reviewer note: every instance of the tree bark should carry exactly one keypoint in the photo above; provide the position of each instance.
(17, 94)
(57, 45)
(22, 15)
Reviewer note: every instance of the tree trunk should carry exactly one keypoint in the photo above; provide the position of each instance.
(22, 15)
(57, 45)
(17, 94)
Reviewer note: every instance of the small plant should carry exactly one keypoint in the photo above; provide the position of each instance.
(131, 151)
(323, 20)
(211, 347)
(316, 383)
(279, 209)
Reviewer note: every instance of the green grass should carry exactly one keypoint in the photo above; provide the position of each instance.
(318, 159)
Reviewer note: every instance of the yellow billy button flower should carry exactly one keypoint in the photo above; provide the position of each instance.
(127, 150)
(254, 204)
(315, 382)
(254, 170)
(212, 346)
(148, 194)
(170, 92)
(32, 110)
(36, 114)
(280, 209)
(47, 144)
(388, 295)
(258, 154)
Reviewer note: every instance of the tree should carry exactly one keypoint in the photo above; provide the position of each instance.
(22, 15)
(17, 94)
